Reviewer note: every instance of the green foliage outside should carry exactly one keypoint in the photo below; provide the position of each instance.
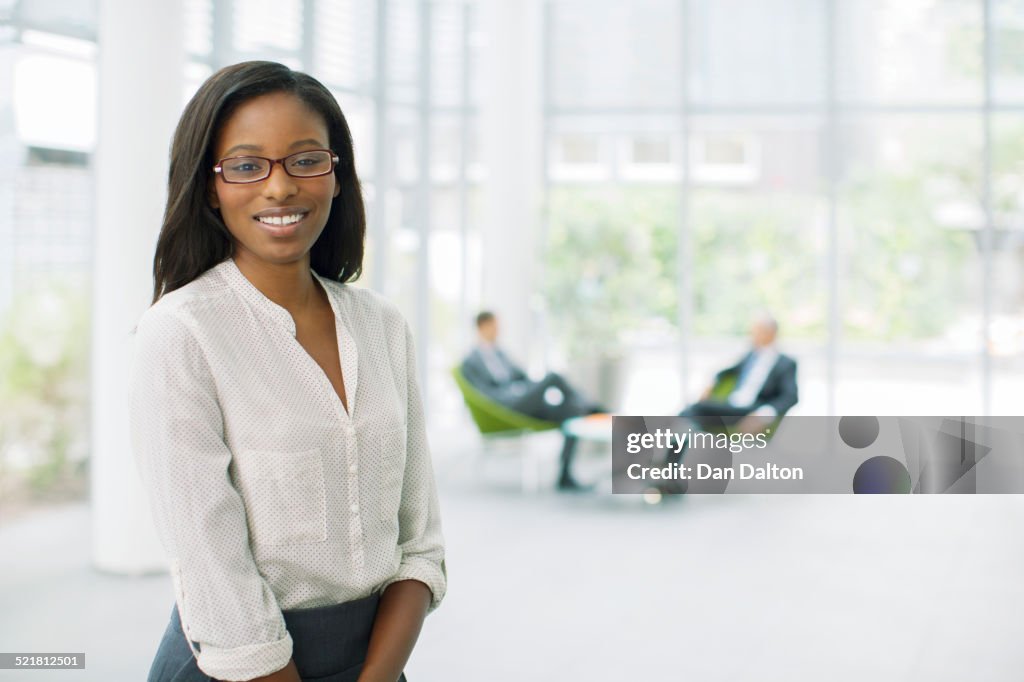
(756, 251)
(909, 275)
(609, 263)
(44, 392)
(905, 273)
(1008, 170)
(906, 276)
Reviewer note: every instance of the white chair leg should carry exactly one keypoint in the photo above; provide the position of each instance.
(479, 461)
(531, 472)
(531, 463)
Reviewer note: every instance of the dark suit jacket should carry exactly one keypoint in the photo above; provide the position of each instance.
(779, 388)
(476, 372)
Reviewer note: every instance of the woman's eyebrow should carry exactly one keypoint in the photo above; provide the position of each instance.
(257, 148)
(246, 147)
(307, 141)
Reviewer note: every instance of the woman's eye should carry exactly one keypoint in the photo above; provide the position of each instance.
(309, 162)
(247, 167)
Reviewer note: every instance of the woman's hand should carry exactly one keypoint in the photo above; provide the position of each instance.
(400, 614)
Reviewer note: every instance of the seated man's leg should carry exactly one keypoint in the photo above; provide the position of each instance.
(573, 404)
(531, 401)
(535, 403)
(566, 481)
(714, 415)
(708, 415)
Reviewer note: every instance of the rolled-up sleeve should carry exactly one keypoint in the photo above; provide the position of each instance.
(419, 537)
(178, 440)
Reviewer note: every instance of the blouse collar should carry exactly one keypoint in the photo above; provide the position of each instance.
(248, 291)
(347, 349)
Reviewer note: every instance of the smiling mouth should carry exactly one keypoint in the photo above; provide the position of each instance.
(281, 221)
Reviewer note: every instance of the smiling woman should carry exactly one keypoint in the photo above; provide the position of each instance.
(196, 233)
(274, 208)
(276, 418)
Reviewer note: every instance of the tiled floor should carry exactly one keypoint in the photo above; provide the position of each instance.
(590, 587)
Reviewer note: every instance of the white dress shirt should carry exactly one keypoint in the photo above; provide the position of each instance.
(266, 493)
(761, 362)
(495, 365)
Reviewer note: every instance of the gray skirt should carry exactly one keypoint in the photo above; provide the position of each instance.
(329, 644)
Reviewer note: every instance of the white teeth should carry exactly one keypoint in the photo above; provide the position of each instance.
(281, 220)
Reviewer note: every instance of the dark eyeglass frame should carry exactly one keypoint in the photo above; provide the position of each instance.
(219, 168)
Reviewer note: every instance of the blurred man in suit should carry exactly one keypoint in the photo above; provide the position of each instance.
(491, 371)
(553, 399)
(764, 385)
(763, 389)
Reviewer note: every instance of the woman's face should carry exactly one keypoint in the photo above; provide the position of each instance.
(260, 215)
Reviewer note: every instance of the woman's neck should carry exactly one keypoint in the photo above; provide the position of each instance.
(289, 285)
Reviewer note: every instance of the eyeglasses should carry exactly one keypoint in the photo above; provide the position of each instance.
(308, 164)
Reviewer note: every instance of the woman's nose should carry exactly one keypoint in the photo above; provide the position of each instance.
(279, 185)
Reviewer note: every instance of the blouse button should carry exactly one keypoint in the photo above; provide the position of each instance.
(354, 508)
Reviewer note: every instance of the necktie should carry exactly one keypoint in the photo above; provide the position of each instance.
(497, 365)
(745, 368)
(743, 393)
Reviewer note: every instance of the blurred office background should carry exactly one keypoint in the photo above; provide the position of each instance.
(624, 183)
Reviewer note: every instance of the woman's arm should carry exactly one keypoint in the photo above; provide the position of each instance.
(400, 615)
(403, 606)
(177, 428)
(420, 581)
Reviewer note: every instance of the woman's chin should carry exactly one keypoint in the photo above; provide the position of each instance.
(277, 249)
(278, 254)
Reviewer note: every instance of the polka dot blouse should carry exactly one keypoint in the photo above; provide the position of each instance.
(266, 493)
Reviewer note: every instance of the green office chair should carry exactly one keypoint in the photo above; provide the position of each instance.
(497, 422)
(493, 418)
(721, 390)
(723, 387)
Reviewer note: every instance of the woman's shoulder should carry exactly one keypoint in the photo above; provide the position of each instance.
(184, 303)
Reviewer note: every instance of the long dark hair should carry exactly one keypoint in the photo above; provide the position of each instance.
(193, 237)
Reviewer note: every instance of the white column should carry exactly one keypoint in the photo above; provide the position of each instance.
(511, 120)
(141, 79)
(11, 160)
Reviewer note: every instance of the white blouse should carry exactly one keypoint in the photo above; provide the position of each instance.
(266, 493)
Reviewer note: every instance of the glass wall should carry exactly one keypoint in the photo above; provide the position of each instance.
(403, 72)
(854, 166)
(851, 165)
(403, 109)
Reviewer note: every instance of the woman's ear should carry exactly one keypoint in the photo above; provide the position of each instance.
(337, 187)
(211, 196)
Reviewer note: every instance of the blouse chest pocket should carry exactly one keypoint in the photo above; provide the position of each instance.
(284, 495)
(392, 456)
